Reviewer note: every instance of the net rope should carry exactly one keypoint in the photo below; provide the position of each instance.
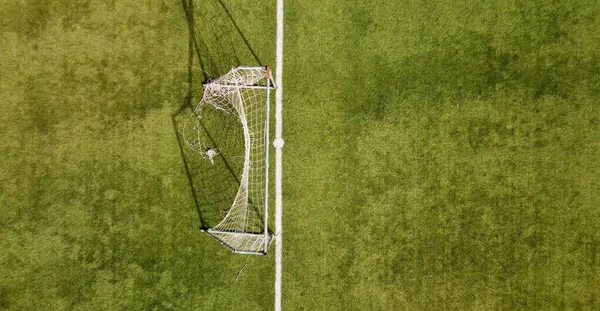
(240, 93)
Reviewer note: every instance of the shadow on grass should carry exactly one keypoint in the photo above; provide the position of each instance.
(216, 38)
(213, 185)
(218, 43)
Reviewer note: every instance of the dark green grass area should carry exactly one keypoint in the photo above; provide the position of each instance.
(97, 211)
(440, 155)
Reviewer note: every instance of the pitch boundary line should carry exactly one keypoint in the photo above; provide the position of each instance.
(278, 146)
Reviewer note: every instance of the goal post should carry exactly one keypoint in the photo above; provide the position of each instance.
(243, 95)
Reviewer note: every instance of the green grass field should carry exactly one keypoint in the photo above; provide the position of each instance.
(440, 155)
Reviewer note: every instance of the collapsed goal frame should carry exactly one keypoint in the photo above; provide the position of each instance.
(242, 93)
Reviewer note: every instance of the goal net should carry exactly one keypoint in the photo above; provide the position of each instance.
(241, 95)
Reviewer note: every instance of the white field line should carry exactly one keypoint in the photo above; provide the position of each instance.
(278, 169)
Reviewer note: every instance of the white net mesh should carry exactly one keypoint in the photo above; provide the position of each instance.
(243, 93)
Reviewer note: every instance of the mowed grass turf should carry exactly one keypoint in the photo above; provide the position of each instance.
(442, 156)
(438, 156)
(96, 207)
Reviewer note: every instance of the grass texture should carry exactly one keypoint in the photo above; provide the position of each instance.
(439, 155)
